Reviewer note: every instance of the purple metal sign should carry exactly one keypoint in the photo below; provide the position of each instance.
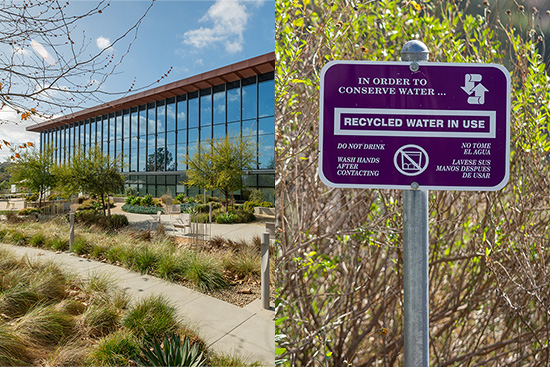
(442, 127)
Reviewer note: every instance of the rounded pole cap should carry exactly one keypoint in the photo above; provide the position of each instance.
(414, 51)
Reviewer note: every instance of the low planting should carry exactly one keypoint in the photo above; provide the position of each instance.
(142, 209)
(65, 321)
(215, 266)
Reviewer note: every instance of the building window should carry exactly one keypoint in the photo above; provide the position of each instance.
(233, 101)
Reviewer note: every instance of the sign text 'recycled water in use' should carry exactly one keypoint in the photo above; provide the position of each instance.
(444, 126)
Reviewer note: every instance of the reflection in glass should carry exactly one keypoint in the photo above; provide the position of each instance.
(206, 109)
(267, 126)
(219, 107)
(249, 102)
(182, 114)
(193, 112)
(161, 117)
(233, 104)
(266, 157)
(266, 98)
(171, 117)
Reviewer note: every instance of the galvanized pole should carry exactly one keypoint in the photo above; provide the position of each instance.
(415, 252)
(71, 233)
(265, 270)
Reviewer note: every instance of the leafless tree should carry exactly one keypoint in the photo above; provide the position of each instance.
(46, 66)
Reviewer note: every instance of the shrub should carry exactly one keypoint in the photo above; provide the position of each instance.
(17, 238)
(147, 200)
(141, 209)
(145, 260)
(205, 208)
(181, 198)
(129, 199)
(37, 239)
(204, 271)
(171, 352)
(81, 246)
(226, 218)
(135, 201)
(169, 267)
(52, 197)
(44, 325)
(188, 207)
(93, 217)
(130, 191)
(58, 244)
(99, 320)
(32, 197)
(151, 317)
(12, 349)
(244, 216)
(29, 211)
(245, 263)
(115, 349)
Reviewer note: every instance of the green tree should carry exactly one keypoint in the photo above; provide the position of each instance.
(35, 170)
(92, 172)
(219, 164)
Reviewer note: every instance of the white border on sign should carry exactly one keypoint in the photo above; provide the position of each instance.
(491, 134)
(329, 183)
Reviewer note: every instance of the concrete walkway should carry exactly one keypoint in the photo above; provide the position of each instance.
(248, 332)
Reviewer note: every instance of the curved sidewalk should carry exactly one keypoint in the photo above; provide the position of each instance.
(248, 332)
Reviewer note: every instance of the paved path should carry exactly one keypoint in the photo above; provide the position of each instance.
(248, 332)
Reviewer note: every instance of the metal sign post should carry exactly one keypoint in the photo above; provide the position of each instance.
(415, 252)
(416, 126)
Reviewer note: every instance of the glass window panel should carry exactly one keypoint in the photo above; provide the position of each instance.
(266, 157)
(151, 141)
(134, 130)
(233, 104)
(266, 98)
(267, 126)
(193, 112)
(249, 102)
(249, 128)
(193, 135)
(206, 133)
(171, 138)
(142, 154)
(181, 152)
(171, 117)
(91, 133)
(219, 107)
(126, 160)
(171, 161)
(105, 135)
(112, 128)
(266, 180)
(219, 131)
(134, 154)
(151, 118)
(112, 152)
(192, 148)
(182, 114)
(250, 181)
(118, 123)
(234, 129)
(206, 109)
(118, 147)
(161, 117)
(142, 120)
(126, 125)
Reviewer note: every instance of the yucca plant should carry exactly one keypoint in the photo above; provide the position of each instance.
(173, 352)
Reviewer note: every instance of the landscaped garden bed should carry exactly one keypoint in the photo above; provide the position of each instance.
(51, 318)
(224, 269)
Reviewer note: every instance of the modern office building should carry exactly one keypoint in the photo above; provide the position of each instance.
(154, 129)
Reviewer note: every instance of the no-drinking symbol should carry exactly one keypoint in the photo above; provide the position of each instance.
(411, 160)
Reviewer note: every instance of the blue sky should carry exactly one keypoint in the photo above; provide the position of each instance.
(186, 37)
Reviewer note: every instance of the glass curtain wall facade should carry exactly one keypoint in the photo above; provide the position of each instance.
(154, 138)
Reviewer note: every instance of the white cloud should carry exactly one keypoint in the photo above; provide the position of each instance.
(228, 19)
(12, 129)
(103, 43)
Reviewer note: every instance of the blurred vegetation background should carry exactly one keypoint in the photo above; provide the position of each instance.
(340, 268)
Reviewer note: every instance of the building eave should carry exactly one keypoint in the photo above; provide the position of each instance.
(244, 69)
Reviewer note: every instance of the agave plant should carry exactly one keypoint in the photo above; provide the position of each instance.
(173, 352)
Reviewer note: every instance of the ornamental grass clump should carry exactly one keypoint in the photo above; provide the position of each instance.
(152, 317)
(13, 351)
(116, 349)
(43, 325)
(204, 271)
